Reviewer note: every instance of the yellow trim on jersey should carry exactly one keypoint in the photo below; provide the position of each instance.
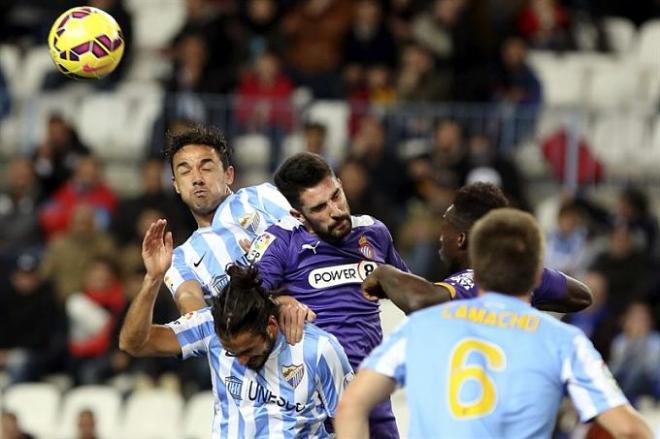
(452, 290)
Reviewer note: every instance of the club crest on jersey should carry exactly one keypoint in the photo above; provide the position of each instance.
(293, 374)
(365, 248)
(234, 387)
(250, 221)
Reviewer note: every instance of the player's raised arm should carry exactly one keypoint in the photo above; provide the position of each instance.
(139, 337)
(189, 297)
(407, 291)
(561, 293)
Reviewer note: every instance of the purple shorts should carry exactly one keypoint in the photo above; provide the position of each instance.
(382, 424)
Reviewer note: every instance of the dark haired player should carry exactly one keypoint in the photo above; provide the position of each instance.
(263, 387)
(321, 255)
(557, 291)
(202, 174)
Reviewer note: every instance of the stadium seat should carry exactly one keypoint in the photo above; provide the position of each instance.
(100, 120)
(37, 110)
(153, 414)
(35, 405)
(292, 144)
(252, 153)
(198, 416)
(648, 43)
(156, 22)
(10, 62)
(145, 104)
(614, 87)
(36, 65)
(103, 401)
(334, 115)
(563, 83)
(618, 138)
(621, 34)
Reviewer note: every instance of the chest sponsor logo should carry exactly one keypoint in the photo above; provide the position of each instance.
(340, 274)
(293, 374)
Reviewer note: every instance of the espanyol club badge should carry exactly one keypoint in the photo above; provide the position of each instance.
(365, 248)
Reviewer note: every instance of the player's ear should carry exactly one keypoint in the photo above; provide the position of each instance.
(461, 240)
(229, 175)
(297, 215)
(272, 327)
(176, 186)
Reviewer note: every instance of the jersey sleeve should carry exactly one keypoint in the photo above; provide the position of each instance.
(553, 288)
(269, 253)
(194, 332)
(589, 382)
(389, 358)
(334, 372)
(460, 285)
(273, 204)
(178, 272)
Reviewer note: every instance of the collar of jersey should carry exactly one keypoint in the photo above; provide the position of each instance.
(505, 298)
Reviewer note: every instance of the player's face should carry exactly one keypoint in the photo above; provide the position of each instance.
(451, 241)
(252, 350)
(201, 180)
(325, 211)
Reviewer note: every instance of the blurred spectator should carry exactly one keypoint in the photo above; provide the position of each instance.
(57, 156)
(260, 19)
(86, 186)
(383, 166)
(625, 266)
(597, 321)
(368, 41)
(636, 354)
(313, 31)
(314, 138)
(153, 196)
(33, 336)
(490, 165)
(19, 228)
(93, 314)
(69, 255)
(566, 245)
(130, 253)
(447, 159)
(380, 89)
(400, 17)
(10, 428)
(517, 93)
(86, 425)
(433, 28)
(5, 96)
(545, 24)
(417, 80)
(634, 211)
(264, 101)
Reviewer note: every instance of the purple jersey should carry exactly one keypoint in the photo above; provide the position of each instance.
(328, 277)
(462, 285)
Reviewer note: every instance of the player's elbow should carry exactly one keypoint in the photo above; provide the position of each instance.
(580, 296)
(131, 345)
(632, 429)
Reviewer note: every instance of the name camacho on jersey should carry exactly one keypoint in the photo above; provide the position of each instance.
(327, 277)
(291, 396)
(499, 370)
(244, 214)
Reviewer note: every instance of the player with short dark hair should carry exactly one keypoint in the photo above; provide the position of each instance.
(491, 366)
(321, 255)
(557, 291)
(263, 387)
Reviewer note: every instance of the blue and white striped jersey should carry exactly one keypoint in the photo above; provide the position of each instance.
(492, 367)
(291, 396)
(244, 214)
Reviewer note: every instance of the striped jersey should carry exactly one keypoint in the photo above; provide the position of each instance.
(291, 396)
(500, 370)
(327, 277)
(244, 214)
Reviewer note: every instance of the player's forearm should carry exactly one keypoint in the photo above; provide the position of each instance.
(408, 291)
(351, 422)
(137, 324)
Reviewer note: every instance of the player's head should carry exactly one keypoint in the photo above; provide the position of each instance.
(245, 317)
(316, 195)
(506, 249)
(471, 202)
(201, 167)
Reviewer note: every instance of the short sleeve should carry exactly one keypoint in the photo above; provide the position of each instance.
(194, 332)
(334, 373)
(389, 358)
(269, 252)
(178, 272)
(589, 382)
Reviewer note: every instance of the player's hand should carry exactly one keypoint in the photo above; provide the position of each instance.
(371, 289)
(293, 316)
(157, 249)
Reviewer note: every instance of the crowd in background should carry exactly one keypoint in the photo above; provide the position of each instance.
(70, 244)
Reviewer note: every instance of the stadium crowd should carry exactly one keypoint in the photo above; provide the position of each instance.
(70, 243)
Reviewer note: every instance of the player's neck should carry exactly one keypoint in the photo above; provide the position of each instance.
(204, 220)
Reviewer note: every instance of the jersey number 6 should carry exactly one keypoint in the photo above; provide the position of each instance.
(493, 359)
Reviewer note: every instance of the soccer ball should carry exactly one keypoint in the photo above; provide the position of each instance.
(86, 43)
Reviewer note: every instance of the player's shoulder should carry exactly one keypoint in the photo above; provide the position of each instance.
(369, 224)
(286, 226)
(320, 337)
